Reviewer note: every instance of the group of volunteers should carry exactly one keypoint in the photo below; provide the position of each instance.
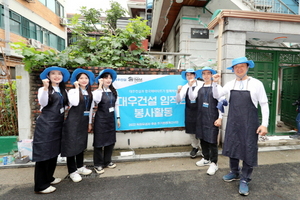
(56, 135)
(204, 108)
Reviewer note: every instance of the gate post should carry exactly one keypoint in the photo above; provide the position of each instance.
(23, 102)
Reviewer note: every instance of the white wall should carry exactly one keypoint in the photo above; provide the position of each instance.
(23, 102)
(202, 50)
(148, 139)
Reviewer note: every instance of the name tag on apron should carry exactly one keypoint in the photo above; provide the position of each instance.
(194, 101)
(62, 110)
(111, 109)
(86, 113)
(205, 105)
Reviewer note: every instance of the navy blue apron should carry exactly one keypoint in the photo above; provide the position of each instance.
(75, 131)
(48, 130)
(240, 135)
(206, 116)
(104, 123)
(190, 113)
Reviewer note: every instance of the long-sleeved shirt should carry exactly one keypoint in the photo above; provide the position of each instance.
(181, 95)
(97, 96)
(257, 93)
(194, 94)
(43, 96)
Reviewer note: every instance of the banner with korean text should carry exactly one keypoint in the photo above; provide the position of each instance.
(149, 101)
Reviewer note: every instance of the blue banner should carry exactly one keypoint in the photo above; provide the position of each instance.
(149, 101)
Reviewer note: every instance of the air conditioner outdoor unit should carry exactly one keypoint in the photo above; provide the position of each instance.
(63, 21)
(35, 43)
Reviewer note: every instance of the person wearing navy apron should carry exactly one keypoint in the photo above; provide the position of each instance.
(243, 127)
(76, 126)
(105, 120)
(48, 130)
(209, 119)
(190, 108)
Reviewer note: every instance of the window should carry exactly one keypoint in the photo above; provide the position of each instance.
(15, 22)
(53, 41)
(32, 30)
(55, 6)
(39, 33)
(25, 28)
(61, 44)
(51, 4)
(46, 37)
(59, 9)
(1, 16)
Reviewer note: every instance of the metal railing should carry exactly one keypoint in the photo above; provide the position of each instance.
(274, 6)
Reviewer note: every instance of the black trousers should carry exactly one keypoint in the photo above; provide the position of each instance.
(74, 162)
(209, 151)
(43, 174)
(246, 169)
(102, 155)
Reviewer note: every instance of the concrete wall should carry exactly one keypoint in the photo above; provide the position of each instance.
(202, 50)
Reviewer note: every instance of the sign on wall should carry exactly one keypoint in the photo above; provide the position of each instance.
(200, 33)
(149, 101)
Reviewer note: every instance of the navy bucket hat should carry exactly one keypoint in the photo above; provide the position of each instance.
(240, 60)
(183, 74)
(112, 72)
(199, 72)
(64, 71)
(88, 73)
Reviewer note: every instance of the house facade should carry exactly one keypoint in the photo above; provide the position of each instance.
(265, 31)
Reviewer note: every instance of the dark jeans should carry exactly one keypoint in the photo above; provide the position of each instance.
(209, 151)
(102, 155)
(74, 162)
(246, 169)
(43, 174)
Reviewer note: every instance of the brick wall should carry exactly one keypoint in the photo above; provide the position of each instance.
(36, 83)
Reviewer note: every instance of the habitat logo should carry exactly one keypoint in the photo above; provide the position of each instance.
(135, 79)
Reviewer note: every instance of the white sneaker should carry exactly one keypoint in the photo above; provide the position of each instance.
(56, 181)
(202, 162)
(84, 171)
(75, 177)
(212, 169)
(48, 190)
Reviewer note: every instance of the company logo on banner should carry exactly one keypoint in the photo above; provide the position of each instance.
(149, 101)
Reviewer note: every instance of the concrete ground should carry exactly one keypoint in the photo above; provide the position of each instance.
(166, 173)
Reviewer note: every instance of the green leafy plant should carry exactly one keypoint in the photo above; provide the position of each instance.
(8, 110)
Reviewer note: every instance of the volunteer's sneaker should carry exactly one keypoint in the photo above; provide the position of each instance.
(56, 181)
(99, 170)
(193, 153)
(212, 169)
(75, 177)
(48, 190)
(203, 162)
(243, 188)
(84, 171)
(111, 165)
(231, 177)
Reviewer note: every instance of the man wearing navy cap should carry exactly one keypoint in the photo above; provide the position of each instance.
(243, 128)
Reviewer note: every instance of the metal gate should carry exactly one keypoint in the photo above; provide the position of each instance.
(280, 75)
